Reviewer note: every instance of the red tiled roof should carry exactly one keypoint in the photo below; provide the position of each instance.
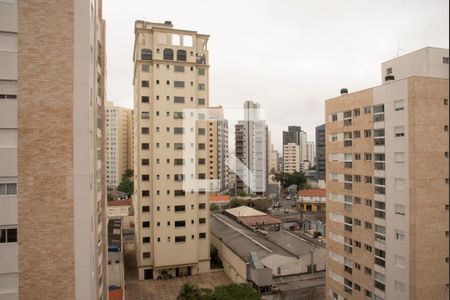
(119, 202)
(253, 220)
(313, 193)
(115, 294)
(219, 198)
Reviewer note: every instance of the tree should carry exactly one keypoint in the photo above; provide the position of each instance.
(286, 180)
(126, 185)
(189, 291)
(225, 292)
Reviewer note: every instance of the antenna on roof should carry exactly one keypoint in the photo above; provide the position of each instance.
(398, 47)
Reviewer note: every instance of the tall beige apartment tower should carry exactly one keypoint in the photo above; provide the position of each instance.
(119, 141)
(52, 180)
(387, 183)
(171, 89)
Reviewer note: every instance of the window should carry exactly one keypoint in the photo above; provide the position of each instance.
(367, 133)
(201, 131)
(368, 156)
(145, 130)
(368, 225)
(446, 128)
(356, 112)
(145, 162)
(356, 134)
(367, 110)
(145, 193)
(380, 257)
(201, 161)
(146, 224)
(380, 233)
(145, 83)
(202, 235)
(368, 202)
(357, 200)
(8, 235)
(145, 115)
(399, 131)
(8, 189)
(357, 178)
(168, 54)
(178, 130)
(201, 71)
(178, 161)
(179, 208)
(146, 239)
(357, 156)
(180, 223)
(202, 220)
(368, 248)
(368, 179)
(201, 101)
(389, 71)
(445, 60)
(399, 209)
(201, 176)
(357, 266)
(201, 146)
(202, 205)
(357, 244)
(334, 117)
(145, 146)
(145, 208)
(146, 255)
(400, 235)
(445, 101)
(201, 87)
(145, 68)
(146, 54)
(368, 271)
(379, 281)
(180, 239)
(178, 99)
(145, 99)
(181, 55)
(399, 105)
(145, 177)
(179, 193)
(178, 69)
(178, 84)
(178, 115)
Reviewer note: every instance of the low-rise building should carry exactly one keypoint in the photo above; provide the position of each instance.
(262, 257)
(220, 201)
(119, 208)
(312, 200)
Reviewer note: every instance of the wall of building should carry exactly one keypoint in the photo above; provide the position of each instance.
(233, 265)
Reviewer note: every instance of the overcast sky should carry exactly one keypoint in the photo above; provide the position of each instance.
(288, 55)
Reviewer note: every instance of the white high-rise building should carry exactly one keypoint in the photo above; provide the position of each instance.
(251, 137)
(310, 153)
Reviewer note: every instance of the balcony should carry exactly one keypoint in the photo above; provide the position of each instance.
(347, 122)
(348, 164)
(348, 185)
(378, 118)
(347, 143)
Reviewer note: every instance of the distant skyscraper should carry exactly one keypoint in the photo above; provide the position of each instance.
(171, 90)
(296, 136)
(119, 135)
(52, 170)
(311, 153)
(320, 153)
(218, 147)
(292, 158)
(251, 138)
(274, 160)
(388, 183)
